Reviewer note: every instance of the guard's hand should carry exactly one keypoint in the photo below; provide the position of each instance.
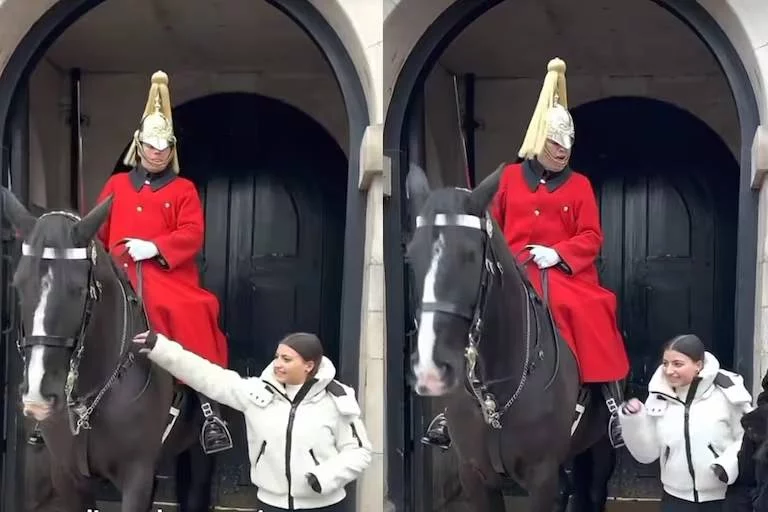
(145, 341)
(633, 406)
(313, 483)
(543, 257)
(720, 473)
(141, 249)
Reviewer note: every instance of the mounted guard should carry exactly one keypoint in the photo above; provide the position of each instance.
(550, 219)
(157, 219)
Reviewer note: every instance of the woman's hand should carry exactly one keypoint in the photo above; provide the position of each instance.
(633, 406)
(145, 341)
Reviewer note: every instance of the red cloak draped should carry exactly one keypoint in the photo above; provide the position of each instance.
(170, 215)
(562, 214)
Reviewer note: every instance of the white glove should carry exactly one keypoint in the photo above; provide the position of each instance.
(141, 249)
(543, 257)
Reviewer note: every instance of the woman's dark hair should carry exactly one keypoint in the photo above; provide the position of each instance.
(308, 346)
(689, 345)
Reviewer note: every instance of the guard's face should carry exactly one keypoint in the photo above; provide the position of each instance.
(290, 367)
(679, 369)
(153, 159)
(555, 156)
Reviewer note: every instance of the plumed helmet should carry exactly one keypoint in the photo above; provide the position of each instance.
(156, 126)
(551, 119)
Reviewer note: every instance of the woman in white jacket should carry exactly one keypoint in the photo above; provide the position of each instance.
(691, 423)
(305, 437)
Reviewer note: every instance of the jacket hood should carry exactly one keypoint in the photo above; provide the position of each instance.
(711, 374)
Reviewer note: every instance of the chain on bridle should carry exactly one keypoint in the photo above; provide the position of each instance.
(475, 381)
(75, 406)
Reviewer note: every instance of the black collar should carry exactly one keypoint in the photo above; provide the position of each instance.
(535, 175)
(156, 181)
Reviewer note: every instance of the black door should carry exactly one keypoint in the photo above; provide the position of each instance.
(667, 188)
(273, 184)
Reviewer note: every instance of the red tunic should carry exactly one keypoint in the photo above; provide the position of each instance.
(563, 215)
(170, 215)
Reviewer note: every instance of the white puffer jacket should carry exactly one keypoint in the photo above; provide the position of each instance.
(319, 432)
(690, 434)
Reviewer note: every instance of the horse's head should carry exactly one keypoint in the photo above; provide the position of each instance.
(54, 281)
(447, 255)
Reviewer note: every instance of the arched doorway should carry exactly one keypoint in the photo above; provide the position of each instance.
(404, 143)
(667, 187)
(273, 253)
(351, 203)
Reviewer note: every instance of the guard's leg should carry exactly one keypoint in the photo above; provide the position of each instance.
(214, 436)
(194, 472)
(437, 433)
(614, 396)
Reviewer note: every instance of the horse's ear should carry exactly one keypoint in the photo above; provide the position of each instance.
(483, 194)
(84, 231)
(17, 214)
(417, 190)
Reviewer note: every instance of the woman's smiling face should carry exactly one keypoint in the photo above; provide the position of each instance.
(679, 369)
(290, 367)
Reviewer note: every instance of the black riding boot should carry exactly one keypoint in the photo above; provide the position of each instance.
(36, 437)
(437, 433)
(214, 436)
(614, 396)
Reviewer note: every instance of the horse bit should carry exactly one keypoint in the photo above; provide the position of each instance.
(491, 265)
(75, 405)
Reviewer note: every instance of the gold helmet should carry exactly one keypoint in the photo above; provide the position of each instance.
(156, 127)
(551, 119)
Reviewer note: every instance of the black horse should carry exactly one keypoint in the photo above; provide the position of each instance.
(103, 412)
(487, 343)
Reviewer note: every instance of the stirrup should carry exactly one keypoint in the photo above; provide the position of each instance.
(440, 417)
(437, 433)
(35, 439)
(215, 436)
(614, 432)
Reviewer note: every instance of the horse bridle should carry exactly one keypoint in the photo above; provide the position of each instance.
(94, 291)
(491, 266)
(75, 406)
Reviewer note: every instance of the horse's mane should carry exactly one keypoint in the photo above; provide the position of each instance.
(502, 252)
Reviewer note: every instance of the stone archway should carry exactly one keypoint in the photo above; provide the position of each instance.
(34, 27)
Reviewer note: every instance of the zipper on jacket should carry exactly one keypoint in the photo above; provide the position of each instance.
(289, 431)
(712, 449)
(687, 436)
(314, 459)
(261, 452)
(666, 455)
(356, 435)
